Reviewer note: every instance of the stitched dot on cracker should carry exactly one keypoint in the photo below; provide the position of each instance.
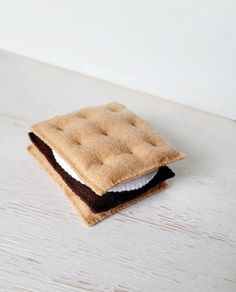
(105, 158)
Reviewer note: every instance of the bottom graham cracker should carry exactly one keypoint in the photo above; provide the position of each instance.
(87, 215)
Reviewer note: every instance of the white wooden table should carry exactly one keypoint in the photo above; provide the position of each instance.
(183, 239)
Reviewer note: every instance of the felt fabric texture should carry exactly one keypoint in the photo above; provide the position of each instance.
(106, 145)
(128, 185)
(98, 204)
(87, 215)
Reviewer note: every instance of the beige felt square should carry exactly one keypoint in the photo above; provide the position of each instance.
(87, 215)
(106, 145)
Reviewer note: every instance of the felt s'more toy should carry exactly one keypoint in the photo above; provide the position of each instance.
(105, 158)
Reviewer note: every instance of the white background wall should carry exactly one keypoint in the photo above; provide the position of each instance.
(180, 50)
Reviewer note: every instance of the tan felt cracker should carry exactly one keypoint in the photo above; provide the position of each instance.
(106, 145)
(88, 217)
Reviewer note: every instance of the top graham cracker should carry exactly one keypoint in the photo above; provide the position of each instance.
(106, 145)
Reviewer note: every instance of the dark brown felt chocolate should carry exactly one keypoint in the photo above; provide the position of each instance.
(98, 204)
